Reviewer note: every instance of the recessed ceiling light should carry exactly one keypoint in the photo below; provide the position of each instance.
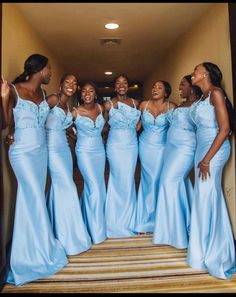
(111, 26)
(108, 73)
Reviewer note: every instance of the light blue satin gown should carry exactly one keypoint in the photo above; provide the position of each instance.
(35, 252)
(152, 143)
(211, 243)
(176, 191)
(62, 198)
(91, 158)
(122, 154)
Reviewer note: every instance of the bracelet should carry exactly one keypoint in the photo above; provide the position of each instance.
(204, 164)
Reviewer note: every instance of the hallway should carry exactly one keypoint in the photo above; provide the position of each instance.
(154, 41)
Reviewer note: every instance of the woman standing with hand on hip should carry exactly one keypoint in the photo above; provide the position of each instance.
(62, 199)
(90, 154)
(35, 252)
(122, 153)
(211, 242)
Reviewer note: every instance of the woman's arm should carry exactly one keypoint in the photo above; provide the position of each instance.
(217, 99)
(71, 132)
(5, 94)
(8, 103)
(52, 100)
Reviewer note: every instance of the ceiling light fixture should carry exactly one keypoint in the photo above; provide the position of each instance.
(112, 26)
(108, 73)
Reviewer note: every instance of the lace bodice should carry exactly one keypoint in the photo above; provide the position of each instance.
(58, 119)
(28, 114)
(203, 114)
(87, 127)
(124, 116)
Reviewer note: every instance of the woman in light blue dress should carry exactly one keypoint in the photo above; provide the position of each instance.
(211, 243)
(90, 153)
(35, 252)
(152, 143)
(175, 188)
(122, 154)
(62, 197)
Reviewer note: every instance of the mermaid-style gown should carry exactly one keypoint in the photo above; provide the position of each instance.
(62, 198)
(211, 242)
(152, 143)
(90, 153)
(122, 154)
(176, 191)
(35, 253)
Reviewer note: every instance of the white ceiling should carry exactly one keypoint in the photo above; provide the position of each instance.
(72, 31)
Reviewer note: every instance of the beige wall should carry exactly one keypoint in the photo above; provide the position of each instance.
(18, 42)
(207, 40)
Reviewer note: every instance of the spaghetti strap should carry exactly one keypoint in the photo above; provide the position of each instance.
(134, 103)
(198, 99)
(17, 94)
(146, 105)
(74, 108)
(209, 98)
(111, 102)
(44, 97)
(99, 107)
(58, 100)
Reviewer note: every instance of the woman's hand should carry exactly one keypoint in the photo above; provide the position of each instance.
(204, 170)
(71, 133)
(9, 139)
(5, 89)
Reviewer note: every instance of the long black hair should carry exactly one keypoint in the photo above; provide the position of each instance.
(216, 78)
(33, 64)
